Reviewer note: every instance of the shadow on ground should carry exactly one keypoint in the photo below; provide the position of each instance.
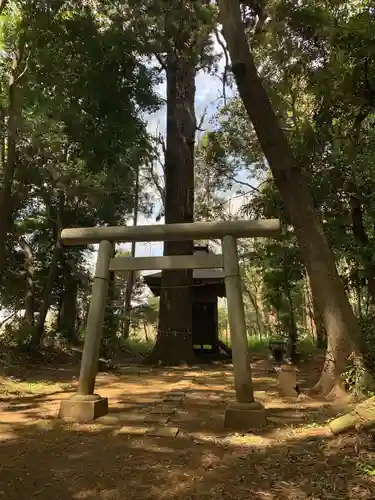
(44, 458)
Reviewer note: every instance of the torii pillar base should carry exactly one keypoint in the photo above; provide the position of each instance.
(83, 408)
(245, 416)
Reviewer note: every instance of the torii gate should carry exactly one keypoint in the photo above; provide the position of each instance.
(86, 406)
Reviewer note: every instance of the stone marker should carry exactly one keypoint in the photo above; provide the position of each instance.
(288, 381)
(173, 398)
(163, 432)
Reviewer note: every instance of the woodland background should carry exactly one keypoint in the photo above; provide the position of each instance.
(79, 81)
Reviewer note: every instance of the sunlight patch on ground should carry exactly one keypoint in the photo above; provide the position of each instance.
(8, 436)
(13, 388)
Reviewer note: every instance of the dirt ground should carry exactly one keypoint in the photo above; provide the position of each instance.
(118, 457)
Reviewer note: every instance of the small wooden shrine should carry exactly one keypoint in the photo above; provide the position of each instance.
(208, 285)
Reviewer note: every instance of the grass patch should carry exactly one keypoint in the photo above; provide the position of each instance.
(14, 388)
(367, 468)
(138, 346)
(304, 346)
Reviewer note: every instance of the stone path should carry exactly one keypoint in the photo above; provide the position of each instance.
(166, 415)
(158, 421)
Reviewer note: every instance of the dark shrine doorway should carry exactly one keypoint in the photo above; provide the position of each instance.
(205, 332)
(208, 285)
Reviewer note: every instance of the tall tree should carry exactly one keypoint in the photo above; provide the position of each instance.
(18, 22)
(74, 131)
(186, 28)
(340, 323)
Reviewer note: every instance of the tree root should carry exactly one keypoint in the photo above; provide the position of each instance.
(362, 417)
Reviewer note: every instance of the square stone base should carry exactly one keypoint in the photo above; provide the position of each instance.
(78, 409)
(244, 416)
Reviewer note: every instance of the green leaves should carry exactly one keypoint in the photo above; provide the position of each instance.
(82, 131)
(95, 84)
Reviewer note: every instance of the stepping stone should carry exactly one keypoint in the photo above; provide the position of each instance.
(134, 430)
(278, 420)
(156, 419)
(163, 410)
(144, 400)
(171, 404)
(172, 397)
(116, 418)
(291, 419)
(163, 432)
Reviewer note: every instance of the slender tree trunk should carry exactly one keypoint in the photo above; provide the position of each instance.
(362, 238)
(2, 143)
(9, 166)
(145, 330)
(29, 273)
(306, 306)
(341, 325)
(359, 298)
(292, 328)
(110, 320)
(56, 254)
(320, 331)
(258, 316)
(68, 308)
(174, 338)
(46, 301)
(130, 282)
(321, 335)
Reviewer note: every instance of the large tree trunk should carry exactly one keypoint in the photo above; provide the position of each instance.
(174, 338)
(9, 165)
(339, 320)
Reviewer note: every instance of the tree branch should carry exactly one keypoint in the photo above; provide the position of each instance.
(243, 183)
(162, 61)
(201, 120)
(226, 66)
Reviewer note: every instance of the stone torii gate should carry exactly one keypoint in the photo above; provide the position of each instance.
(86, 406)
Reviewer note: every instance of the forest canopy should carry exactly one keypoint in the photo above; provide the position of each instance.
(291, 134)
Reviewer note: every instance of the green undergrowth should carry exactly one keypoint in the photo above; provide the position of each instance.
(305, 346)
(137, 346)
(367, 468)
